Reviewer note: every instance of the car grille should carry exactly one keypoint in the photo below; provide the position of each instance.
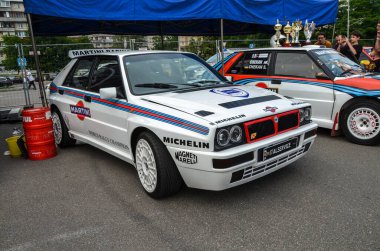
(252, 171)
(269, 126)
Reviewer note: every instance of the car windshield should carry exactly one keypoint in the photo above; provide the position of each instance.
(160, 72)
(338, 64)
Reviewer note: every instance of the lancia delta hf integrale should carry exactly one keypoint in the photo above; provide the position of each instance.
(174, 126)
(342, 95)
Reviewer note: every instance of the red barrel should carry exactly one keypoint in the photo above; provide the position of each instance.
(39, 134)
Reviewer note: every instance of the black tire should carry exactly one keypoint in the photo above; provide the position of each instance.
(61, 133)
(361, 123)
(168, 181)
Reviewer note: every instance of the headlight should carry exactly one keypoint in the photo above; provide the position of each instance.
(229, 136)
(302, 115)
(223, 137)
(236, 134)
(305, 115)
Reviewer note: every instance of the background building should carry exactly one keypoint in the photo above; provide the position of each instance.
(13, 21)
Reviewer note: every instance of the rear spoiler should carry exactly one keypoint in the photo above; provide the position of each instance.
(88, 52)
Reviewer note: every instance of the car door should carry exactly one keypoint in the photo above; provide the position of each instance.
(71, 97)
(294, 75)
(252, 69)
(107, 125)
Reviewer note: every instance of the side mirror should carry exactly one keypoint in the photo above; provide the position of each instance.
(106, 93)
(321, 75)
(229, 78)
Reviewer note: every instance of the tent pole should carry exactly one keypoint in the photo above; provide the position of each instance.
(40, 83)
(162, 37)
(221, 44)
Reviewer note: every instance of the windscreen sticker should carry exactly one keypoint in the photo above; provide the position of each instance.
(80, 110)
(233, 92)
(325, 52)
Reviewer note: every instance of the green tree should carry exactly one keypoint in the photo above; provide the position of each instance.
(53, 51)
(168, 43)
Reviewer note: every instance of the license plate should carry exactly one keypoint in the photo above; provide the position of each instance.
(277, 149)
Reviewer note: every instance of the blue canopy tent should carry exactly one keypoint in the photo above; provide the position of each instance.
(169, 17)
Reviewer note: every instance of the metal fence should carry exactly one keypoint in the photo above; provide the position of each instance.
(54, 57)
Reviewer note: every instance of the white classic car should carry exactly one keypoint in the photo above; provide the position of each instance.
(144, 108)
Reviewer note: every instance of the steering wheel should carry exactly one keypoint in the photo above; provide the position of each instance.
(112, 72)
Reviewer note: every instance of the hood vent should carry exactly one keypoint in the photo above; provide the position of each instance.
(249, 101)
(203, 113)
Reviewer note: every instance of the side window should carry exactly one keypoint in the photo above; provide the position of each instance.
(79, 75)
(107, 74)
(295, 64)
(252, 63)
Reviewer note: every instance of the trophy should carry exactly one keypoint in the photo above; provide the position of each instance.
(308, 30)
(277, 28)
(297, 27)
(287, 31)
(293, 33)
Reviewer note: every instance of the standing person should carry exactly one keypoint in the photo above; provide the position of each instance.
(355, 47)
(337, 42)
(376, 48)
(322, 40)
(346, 48)
(30, 78)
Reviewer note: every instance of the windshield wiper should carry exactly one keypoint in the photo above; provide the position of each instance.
(157, 85)
(205, 82)
(345, 72)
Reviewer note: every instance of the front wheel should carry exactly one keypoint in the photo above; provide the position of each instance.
(61, 133)
(361, 123)
(156, 169)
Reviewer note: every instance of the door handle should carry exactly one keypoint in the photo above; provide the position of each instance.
(276, 81)
(87, 98)
(61, 92)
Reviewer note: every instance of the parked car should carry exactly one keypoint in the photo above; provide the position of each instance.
(15, 79)
(5, 82)
(343, 96)
(142, 107)
(218, 56)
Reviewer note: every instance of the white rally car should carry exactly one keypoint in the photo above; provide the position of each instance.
(343, 96)
(150, 110)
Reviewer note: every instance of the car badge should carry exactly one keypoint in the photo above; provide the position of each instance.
(270, 109)
(275, 119)
(232, 92)
(253, 135)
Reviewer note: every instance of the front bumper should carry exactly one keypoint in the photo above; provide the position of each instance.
(198, 170)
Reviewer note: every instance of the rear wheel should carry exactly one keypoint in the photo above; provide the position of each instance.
(156, 169)
(61, 133)
(361, 123)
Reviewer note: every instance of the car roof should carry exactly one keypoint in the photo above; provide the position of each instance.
(113, 52)
(304, 48)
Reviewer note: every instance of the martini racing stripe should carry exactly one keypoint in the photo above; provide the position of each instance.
(139, 110)
(354, 91)
(218, 65)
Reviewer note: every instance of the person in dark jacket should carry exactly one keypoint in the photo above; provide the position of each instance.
(350, 48)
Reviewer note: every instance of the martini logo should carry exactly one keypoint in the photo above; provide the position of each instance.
(270, 109)
(233, 92)
(80, 110)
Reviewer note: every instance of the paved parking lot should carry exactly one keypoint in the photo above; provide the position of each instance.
(85, 199)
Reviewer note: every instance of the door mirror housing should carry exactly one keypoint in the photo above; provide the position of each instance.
(106, 93)
(321, 75)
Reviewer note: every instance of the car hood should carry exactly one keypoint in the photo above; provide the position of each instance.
(225, 104)
(368, 83)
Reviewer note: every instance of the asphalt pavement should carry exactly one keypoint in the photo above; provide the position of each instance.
(85, 199)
